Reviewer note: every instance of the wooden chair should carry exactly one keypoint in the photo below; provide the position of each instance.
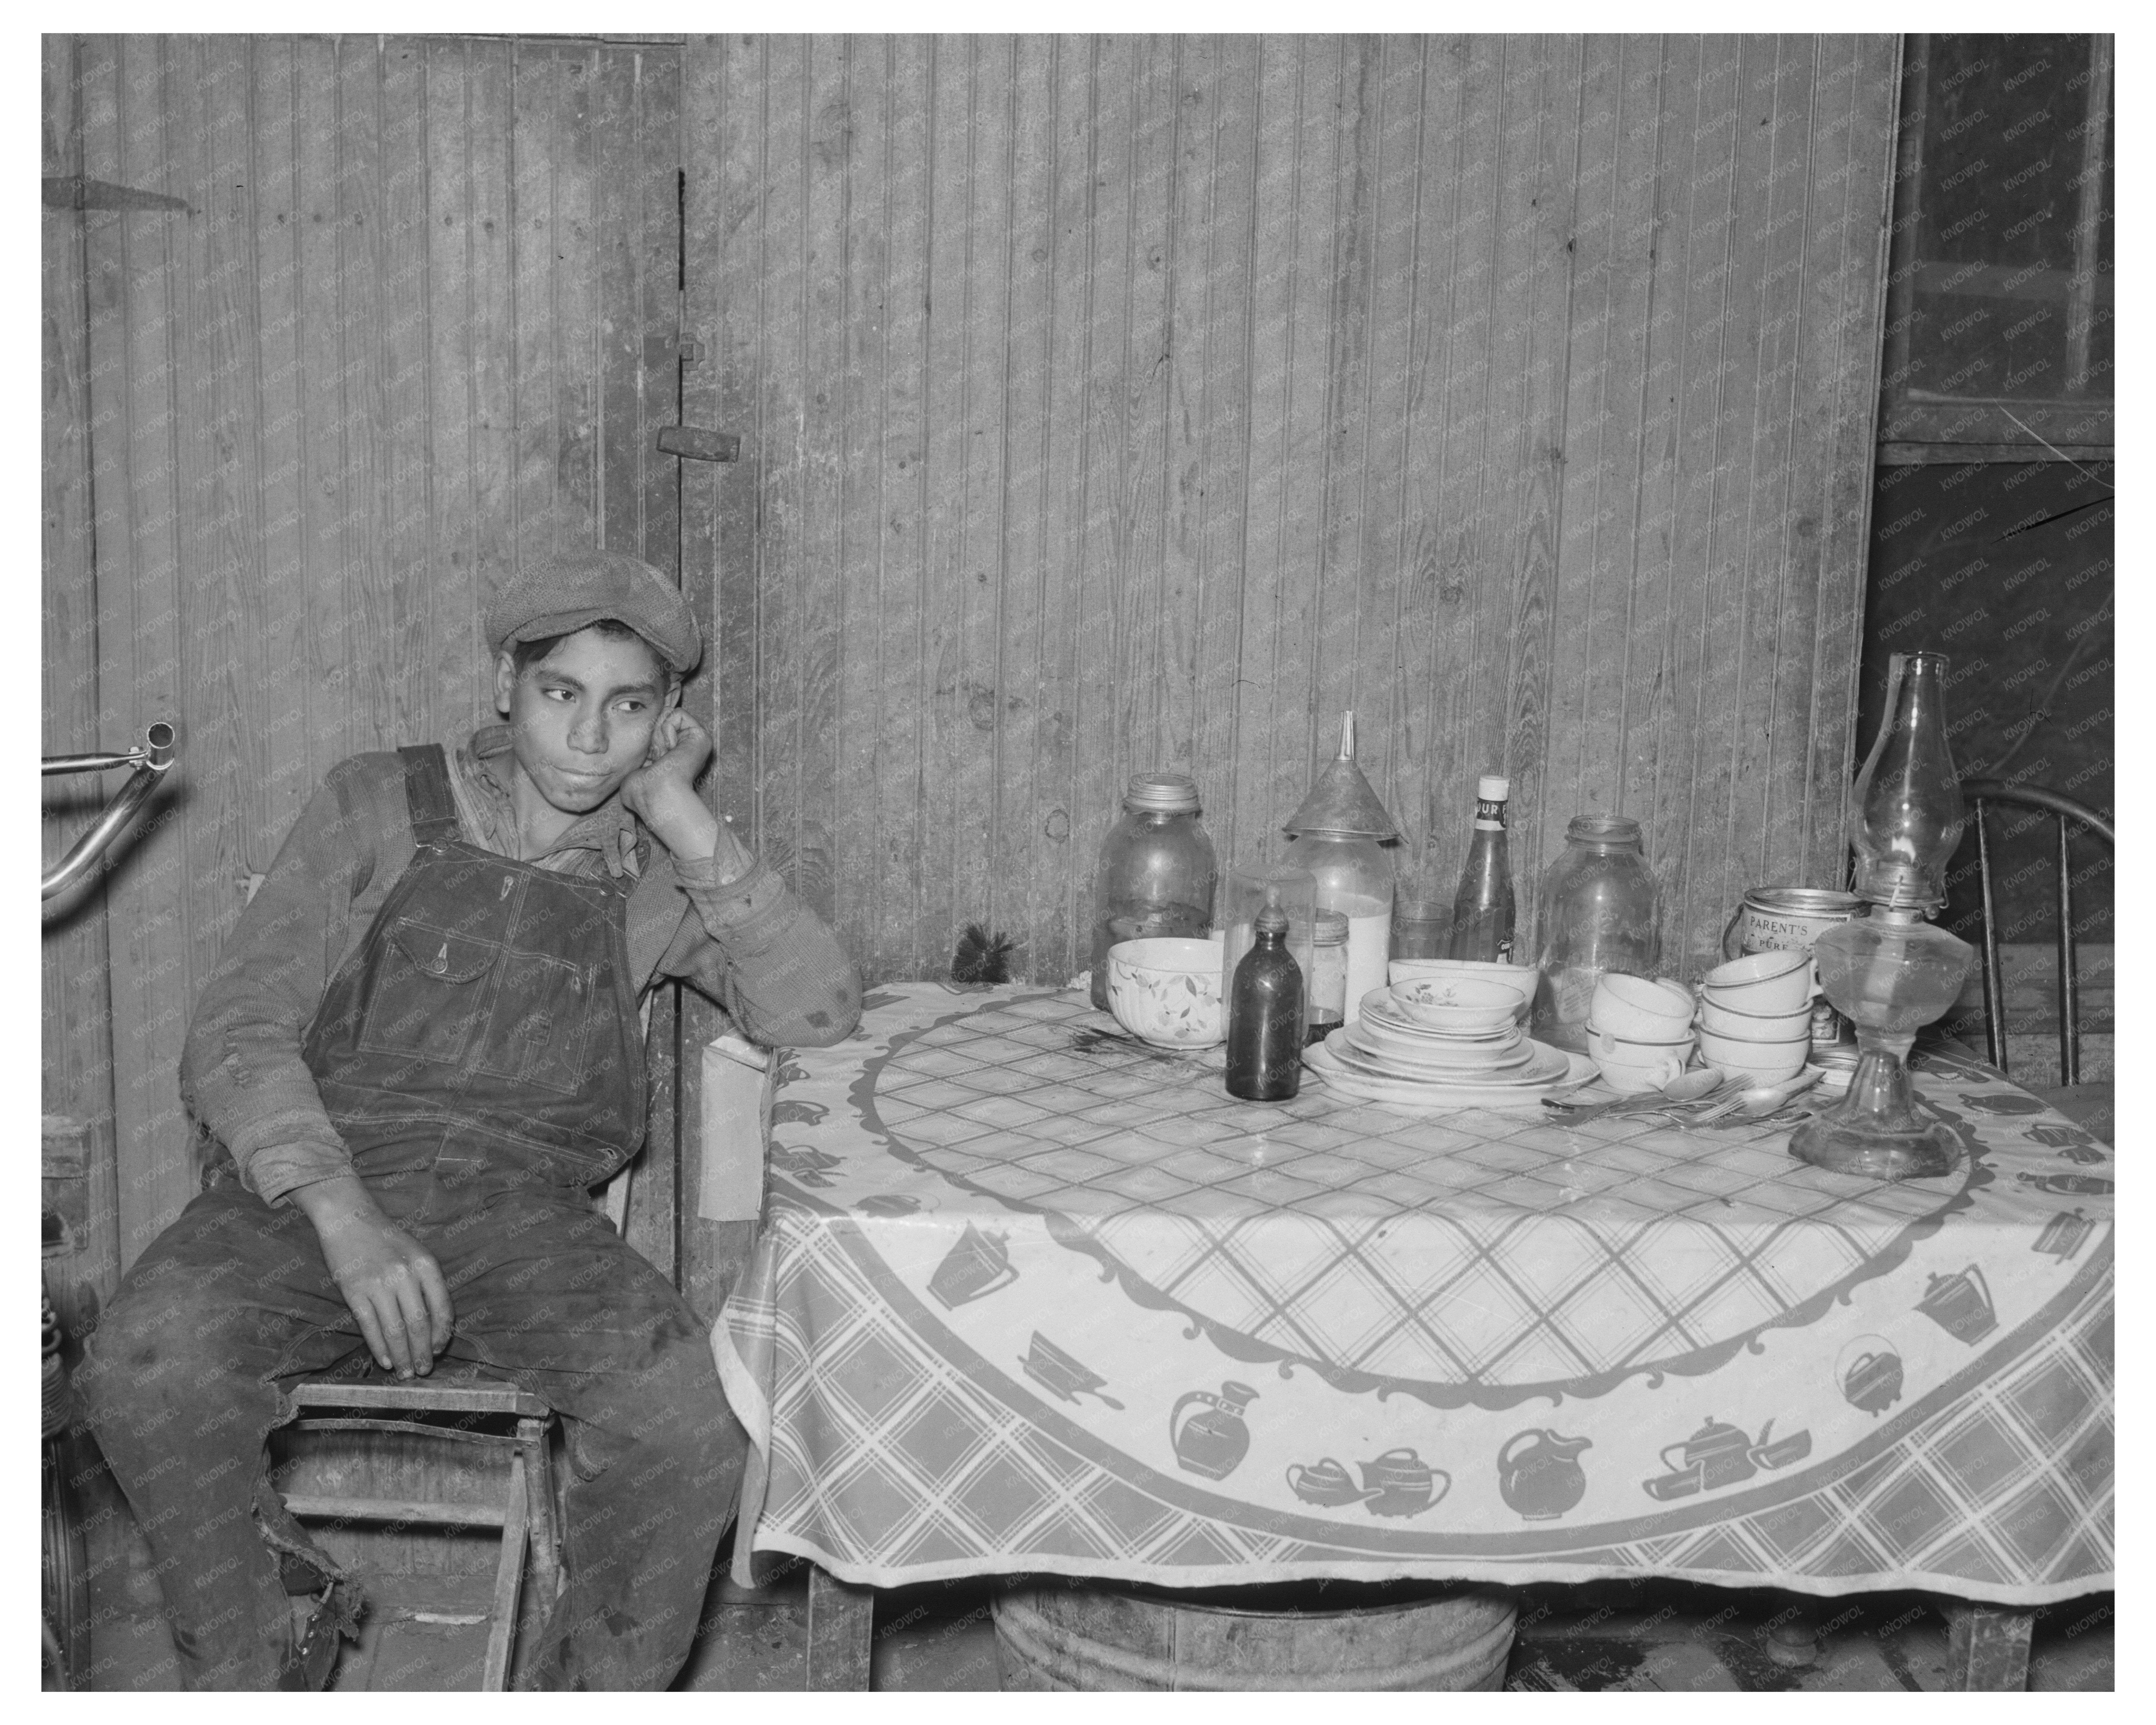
(1978, 794)
(413, 1416)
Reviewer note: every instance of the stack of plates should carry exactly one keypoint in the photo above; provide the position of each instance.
(1387, 1056)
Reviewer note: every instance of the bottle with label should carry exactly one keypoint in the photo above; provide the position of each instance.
(1483, 908)
(1156, 872)
(1265, 1016)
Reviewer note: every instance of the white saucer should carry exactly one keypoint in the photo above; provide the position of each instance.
(1426, 1097)
(1542, 1065)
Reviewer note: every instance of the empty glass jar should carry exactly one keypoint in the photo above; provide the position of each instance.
(1596, 911)
(1156, 872)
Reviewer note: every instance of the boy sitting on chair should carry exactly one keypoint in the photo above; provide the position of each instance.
(418, 1054)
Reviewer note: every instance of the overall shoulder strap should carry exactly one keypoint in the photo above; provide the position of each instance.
(428, 795)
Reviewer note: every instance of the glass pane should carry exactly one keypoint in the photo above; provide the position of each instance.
(1999, 199)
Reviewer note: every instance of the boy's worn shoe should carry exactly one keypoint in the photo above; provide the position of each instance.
(314, 1657)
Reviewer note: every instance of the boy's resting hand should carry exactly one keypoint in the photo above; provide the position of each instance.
(391, 1283)
(662, 794)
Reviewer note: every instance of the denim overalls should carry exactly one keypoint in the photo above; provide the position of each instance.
(478, 1053)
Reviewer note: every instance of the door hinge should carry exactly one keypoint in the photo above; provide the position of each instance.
(692, 443)
(74, 192)
(665, 349)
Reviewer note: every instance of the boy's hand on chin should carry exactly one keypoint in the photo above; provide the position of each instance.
(662, 793)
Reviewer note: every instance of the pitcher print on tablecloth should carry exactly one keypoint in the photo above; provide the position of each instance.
(1213, 1441)
(1543, 1479)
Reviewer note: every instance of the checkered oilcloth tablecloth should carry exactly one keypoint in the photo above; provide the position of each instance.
(996, 1326)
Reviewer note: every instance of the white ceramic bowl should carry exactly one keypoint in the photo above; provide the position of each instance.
(1768, 1062)
(1762, 984)
(1167, 991)
(1463, 1005)
(1639, 1009)
(1518, 977)
(1754, 1027)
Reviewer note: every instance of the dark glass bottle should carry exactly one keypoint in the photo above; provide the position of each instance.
(1265, 1016)
(1483, 908)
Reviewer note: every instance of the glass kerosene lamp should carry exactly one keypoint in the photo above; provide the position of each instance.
(1889, 970)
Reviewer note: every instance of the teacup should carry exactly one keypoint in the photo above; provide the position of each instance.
(1754, 1027)
(1762, 984)
(1625, 1051)
(1638, 1008)
(1768, 1062)
(1630, 1078)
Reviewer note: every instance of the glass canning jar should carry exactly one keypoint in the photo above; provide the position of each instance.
(1596, 910)
(1354, 876)
(1156, 872)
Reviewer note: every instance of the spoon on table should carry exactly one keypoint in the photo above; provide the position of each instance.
(1692, 1086)
(1758, 1100)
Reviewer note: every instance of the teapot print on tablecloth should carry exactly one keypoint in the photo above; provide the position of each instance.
(1539, 1475)
(1960, 1304)
(2070, 1142)
(1720, 1455)
(1399, 1483)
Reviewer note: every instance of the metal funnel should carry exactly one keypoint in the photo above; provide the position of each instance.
(1341, 800)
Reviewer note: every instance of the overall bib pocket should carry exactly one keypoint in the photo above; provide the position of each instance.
(427, 994)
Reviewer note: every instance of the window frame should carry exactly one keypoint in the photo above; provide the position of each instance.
(1914, 427)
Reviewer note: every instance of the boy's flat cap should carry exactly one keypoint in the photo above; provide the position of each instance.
(560, 594)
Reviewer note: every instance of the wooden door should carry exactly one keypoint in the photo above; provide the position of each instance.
(343, 326)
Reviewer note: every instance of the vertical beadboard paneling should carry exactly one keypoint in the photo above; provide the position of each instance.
(1500, 389)
(905, 667)
(1220, 82)
(315, 406)
(76, 988)
(1031, 825)
(955, 760)
(821, 599)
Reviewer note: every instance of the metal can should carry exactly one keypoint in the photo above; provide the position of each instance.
(1790, 919)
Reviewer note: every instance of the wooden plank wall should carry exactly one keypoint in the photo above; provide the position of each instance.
(1114, 403)
(76, 984)
(394, 339)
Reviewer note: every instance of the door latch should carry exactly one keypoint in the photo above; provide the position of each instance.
(692, 443)
(665, 349)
